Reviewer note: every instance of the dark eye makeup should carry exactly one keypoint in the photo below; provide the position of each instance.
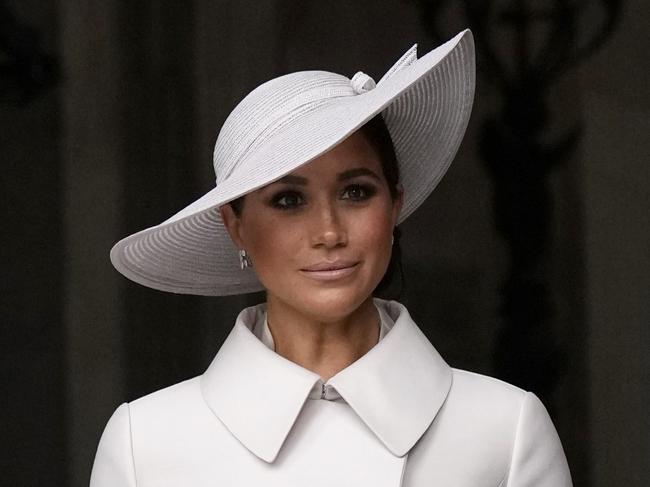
(290, 199)
(358, 192)
(287, 200)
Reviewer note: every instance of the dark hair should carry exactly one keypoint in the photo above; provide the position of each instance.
(378, 135)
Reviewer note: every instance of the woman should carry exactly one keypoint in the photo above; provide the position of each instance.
(323, 384)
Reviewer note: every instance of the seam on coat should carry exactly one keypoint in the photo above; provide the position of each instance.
(506, 475)
(401, 477)
(135, 475)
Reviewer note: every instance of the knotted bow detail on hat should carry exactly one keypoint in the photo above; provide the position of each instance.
(408, 58)
(362, 83)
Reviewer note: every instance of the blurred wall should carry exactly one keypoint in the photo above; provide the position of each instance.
(126, 140)
(32, 363)
(615, 151)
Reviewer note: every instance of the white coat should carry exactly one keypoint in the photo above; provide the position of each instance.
(398, 416)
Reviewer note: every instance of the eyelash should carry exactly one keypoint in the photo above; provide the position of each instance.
(367, 191)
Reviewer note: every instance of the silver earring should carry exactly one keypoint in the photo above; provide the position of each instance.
(244, 260)
(392, 240)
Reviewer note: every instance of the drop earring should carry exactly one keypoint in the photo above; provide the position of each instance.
(244, 260)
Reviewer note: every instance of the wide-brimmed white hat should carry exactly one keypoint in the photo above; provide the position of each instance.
(287, 122)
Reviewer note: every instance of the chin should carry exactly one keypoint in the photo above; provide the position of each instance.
(332, 305)
(322, 301)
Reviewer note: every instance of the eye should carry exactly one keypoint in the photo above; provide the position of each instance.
(358, 192)
(287, 200)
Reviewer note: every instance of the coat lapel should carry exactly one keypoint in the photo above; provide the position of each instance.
(256, 393)
(396, 388)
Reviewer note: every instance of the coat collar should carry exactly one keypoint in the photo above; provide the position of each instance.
(396, 388)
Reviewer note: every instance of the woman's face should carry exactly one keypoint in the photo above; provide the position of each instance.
(320, 238)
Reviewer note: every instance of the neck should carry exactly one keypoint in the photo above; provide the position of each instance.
(324, 346)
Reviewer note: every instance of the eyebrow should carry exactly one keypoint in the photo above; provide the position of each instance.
(344, 176)
(291, 179)
(359, 171)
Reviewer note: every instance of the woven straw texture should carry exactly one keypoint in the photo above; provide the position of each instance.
(287, 122)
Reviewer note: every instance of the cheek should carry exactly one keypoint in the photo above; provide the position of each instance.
(272, 246)
(374, 233)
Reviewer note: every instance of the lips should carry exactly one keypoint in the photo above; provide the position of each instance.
(330, 266)
(329, 271)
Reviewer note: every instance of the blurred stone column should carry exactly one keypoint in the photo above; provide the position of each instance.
(93, 158)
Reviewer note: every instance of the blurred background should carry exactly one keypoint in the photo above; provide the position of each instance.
(529, 262)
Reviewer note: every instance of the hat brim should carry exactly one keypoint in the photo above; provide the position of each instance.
(426, 107)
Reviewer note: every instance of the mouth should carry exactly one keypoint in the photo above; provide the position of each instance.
(330, 271)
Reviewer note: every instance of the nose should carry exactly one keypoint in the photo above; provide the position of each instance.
(328, 228)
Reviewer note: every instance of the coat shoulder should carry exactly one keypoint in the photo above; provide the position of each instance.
(491, 407)
(175, 426)
(485, 388)
(508, 428)
(473, 434)
(171, 406)
(177, 393)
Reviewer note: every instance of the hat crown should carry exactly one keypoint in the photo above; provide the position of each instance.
(268, 109)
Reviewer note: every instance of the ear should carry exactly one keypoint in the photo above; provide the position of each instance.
(398, 201)
(232, 223)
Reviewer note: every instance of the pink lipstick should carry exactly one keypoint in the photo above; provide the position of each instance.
(330, 271)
